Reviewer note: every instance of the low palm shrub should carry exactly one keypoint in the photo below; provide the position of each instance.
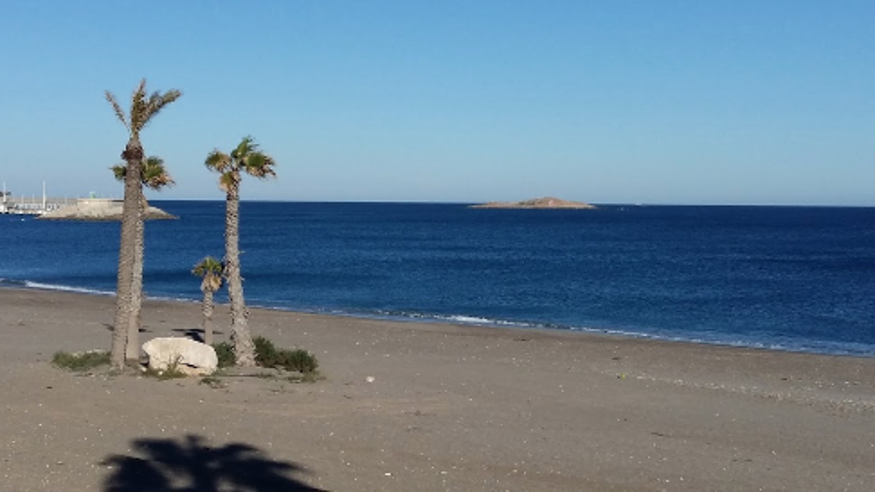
(268, 355)
(225, 354)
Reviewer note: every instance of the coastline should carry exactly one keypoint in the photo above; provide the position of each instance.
(813, 347)
(451, 407)
(725, 285)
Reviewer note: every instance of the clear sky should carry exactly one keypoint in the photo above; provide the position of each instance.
(651, 101)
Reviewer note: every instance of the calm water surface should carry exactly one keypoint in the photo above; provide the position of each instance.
(779, 277)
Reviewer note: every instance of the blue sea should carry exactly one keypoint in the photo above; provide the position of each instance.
(787, 278)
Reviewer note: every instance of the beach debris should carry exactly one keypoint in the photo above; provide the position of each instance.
(370, 379)
(183, 354)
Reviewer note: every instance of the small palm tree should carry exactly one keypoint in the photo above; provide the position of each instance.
(154, 177)
(246, 158)
(143, 108)
(211, 270)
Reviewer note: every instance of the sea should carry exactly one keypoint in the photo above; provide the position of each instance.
(784, 278)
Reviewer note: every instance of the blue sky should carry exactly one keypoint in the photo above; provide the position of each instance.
(656, 101)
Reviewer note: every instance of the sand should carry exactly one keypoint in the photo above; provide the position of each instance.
(449, 408)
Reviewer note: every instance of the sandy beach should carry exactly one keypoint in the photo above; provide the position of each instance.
(449, 408)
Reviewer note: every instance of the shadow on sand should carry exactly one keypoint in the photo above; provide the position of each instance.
(196, 334)
(108, 327)
(191, 465)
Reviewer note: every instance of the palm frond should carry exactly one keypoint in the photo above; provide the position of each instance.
(158, 181)
(212, 271)
(119, 112)
(141, 89)
(157, 102)
(138, 108)
(155, 175)
(244, 148)
(229, 180)
(208, 265)
(119, 171)
(144, 107)
(211, 283)
(260, 165)
(218, 161)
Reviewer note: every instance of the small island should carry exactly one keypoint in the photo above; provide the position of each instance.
(539, 203)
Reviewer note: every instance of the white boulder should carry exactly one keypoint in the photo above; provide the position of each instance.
(188, 356)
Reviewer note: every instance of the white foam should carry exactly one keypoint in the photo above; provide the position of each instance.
(65, 288)
(179, 299)
(464, 319)
(460, 318)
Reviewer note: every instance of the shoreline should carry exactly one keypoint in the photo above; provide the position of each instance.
(449, 407)
(698, 353)
(490, 324)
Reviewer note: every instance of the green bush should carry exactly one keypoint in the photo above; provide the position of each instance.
(268, 355)
(297, 360)
(81, 361)
(225, 354)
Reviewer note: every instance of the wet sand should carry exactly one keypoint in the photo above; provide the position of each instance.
(449, 408)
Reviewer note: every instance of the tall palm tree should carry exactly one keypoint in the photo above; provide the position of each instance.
(154, 177)
(211, 270)
(143, 108)
(246, 158)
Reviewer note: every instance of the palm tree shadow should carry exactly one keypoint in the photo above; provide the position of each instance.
(195, 334)
(191, 465)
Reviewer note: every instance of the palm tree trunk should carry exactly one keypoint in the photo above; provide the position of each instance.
(207, 310)
(132, 351)
(133, 154)
(244, 348)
